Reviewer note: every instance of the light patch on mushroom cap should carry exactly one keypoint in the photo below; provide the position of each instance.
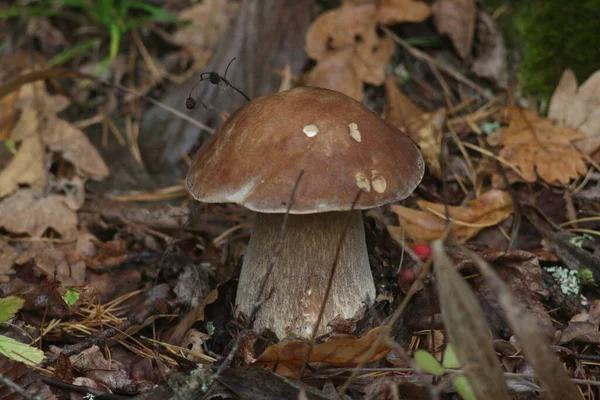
(310, 130)
(379, 183)
(354, 132)
(362, 182)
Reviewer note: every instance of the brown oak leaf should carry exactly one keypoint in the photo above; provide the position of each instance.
(489, 209)
(538, 147)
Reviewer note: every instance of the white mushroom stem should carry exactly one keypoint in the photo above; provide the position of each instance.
(301, 272)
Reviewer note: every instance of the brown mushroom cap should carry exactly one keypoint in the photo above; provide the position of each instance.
(255, 157)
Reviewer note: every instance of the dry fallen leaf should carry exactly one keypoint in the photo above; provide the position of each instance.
(492, 59)
(33, 212)
(396, 11)
(456, 18)
(489, 209)
(38, 127)
(75, 147)
(27, 167)
(578, 107)
(338, 350)
(336, 72)
(195, 315)
(538, 147)
(60, 261)
(209, 20)
(8, 114)
(425, 128)
(351, 27)
(8, 255)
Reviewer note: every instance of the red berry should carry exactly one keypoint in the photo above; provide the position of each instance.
(422, 250)
(408, 276)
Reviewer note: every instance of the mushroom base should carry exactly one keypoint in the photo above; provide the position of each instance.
(301, 272)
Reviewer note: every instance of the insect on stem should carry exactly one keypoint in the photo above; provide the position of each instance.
(215, 79)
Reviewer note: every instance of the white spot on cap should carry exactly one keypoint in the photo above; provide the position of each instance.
(379, 183)
(354, 132)
(362, 182)
(310, 130)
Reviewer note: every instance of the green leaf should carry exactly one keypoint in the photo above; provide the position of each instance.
(10, 146)
(9, 306)
(20, 352)
(460, 382)
(463, 388)
(70, 297)
(428, 363)
(115, 39)
(66, 55)
(450, 359)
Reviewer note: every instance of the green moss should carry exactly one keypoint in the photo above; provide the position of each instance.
(556, 35)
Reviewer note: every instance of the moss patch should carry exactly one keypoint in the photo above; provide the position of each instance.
(556, 35)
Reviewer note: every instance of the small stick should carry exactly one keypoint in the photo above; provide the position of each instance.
(425, 57)
(99, 394)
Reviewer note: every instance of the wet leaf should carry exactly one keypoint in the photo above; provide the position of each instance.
(338, 350)
(489, 209)
(456, 18)
(424, 127)
(538, 147)
(578, 107)
(9, 306)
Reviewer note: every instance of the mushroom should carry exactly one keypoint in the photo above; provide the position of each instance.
(255, 158)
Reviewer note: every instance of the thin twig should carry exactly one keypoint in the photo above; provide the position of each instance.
(99, 394)
(263, 284)
(334, 267)
(428, 59)
(54, 73)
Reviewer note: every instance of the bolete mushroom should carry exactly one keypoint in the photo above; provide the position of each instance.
(255, 158)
